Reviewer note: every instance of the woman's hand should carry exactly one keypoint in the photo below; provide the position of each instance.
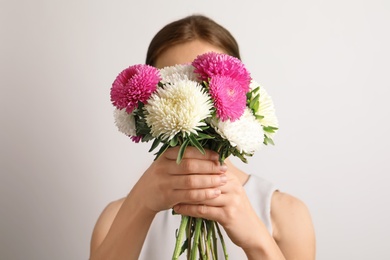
(231, 209)
(165, 183)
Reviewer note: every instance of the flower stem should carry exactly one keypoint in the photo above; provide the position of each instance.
(222, 241)
(179, 238)
(203, 242)
(212, 252)
(189, 236)
(198, 224)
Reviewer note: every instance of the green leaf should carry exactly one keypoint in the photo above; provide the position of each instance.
(182, 150)
(205, 127)
(195, 143)
(249, 95)
(241, 156)
(270, 129)
(258, 117)
(256, 106)
(253, 101)
(268, 140)
(184, 247)
(256, 89)
(174, 141)
(224, 153)
(202, 136)
(163, 148)
(155, 143)
(147, 138)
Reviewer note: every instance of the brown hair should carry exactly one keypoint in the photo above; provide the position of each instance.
(190, 28)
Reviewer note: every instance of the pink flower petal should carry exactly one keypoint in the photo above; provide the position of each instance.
(213, 64)
(136, 139)
(228, 96)
(133, 85)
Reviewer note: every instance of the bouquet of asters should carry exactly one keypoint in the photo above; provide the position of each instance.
(211, 103)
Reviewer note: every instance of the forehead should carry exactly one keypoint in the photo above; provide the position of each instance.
(184, 53)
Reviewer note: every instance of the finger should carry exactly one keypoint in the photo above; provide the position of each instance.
(220, 201)
(193, 166)
(196, 195)
(198, 181)
(232, 194)
(199, 211)
(191, 152)
(196, 166)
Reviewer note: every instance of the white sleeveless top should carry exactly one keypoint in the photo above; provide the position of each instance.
(160, 240)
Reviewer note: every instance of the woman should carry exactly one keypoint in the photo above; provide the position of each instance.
(260, 222)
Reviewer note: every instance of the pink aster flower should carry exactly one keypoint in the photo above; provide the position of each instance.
(134, 84)
(212, 64)
(136, 139)
(228, 96)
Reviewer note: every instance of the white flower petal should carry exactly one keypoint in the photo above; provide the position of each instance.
(246, 133)
(125, 122)
(177, 73)
(180, 107)
(266, 108)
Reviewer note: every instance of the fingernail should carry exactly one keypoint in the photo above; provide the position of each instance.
(223, 168)
(223, 179)
(215, 156)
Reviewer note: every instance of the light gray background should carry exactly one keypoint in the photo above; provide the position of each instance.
(325, 63)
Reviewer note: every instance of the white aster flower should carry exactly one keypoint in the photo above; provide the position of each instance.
(246, 133)
(266, 108)
(125, 122)
(177, 73)
(179, 107)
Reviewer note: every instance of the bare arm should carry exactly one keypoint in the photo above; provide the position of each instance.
(121, 230)
(122, 227)
(293, 227)
(293, 236)
(200, 187)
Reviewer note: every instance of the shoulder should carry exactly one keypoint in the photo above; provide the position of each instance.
(108, 214)
(113, 207)
(292, 225)
(104, 222)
